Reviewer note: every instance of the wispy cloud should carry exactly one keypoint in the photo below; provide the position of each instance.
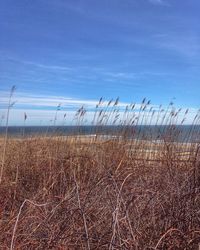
(63, 117)
(41, 109)
(38, 65)
(43, 101)
(159, 2)
(185, 45)
(49, 67)
(122, 75)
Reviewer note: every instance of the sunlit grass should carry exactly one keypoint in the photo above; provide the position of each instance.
(128, 191)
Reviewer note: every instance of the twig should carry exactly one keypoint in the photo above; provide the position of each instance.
(17, 219)
(165, 234)
(82, 212)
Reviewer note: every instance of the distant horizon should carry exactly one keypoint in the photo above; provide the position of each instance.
(89, 125)
(182, 133)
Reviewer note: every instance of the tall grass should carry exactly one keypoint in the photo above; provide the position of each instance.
(10, 104)
(125, 191)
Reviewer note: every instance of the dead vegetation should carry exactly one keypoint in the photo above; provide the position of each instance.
(71, 193)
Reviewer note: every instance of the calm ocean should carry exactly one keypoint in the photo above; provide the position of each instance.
(179, 133)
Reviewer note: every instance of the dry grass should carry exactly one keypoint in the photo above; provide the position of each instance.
(93, 193)
(71, 194)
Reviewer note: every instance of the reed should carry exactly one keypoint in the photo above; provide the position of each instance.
(10, 105)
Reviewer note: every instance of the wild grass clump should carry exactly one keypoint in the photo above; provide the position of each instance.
(128, 191)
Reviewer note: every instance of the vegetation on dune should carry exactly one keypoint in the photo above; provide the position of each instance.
(121, 192)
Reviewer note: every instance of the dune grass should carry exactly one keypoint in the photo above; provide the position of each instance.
(79, 192)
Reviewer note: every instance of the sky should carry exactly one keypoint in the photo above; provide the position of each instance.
(75, 51)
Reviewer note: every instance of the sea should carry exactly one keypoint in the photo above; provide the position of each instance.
(177, 133)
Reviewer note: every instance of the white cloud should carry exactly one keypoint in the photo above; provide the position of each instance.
(38, 65)
(41, 109)
(46, 117)
(42, 101)
(48, 67)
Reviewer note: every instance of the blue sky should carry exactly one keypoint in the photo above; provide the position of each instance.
(75, 51)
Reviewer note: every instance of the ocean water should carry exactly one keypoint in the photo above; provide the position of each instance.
(178, 133)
